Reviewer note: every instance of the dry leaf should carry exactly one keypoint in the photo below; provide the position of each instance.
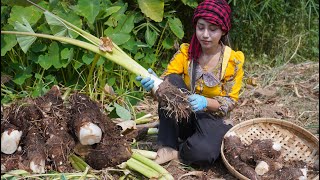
(108, 89)
(127, 125)
(106, 44)
(252, 81)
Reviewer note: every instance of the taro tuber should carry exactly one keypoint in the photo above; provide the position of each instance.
(112, 150)
(10, 138)
(233, 147)
(35, 151)
(288, 173)
(86, 120)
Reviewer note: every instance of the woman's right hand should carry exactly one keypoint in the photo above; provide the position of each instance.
(147, 83)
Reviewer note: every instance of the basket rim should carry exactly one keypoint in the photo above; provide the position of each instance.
(249, 122)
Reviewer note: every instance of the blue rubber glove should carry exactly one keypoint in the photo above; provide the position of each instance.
(147, 83)
(197, 102)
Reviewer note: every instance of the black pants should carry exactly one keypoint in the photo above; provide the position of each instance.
(201, 136)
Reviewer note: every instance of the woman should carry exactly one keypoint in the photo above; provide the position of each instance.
(217, 73)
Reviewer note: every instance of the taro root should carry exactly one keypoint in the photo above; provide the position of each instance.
(246, 170)
(58, 149)
(288, 173)
(15, 122)
(113, 149)
(295, 169)
(86, 119)
(58, 141)
(35, 149)
(265, 147)
(173, 100)
(233, 147)
(23, 113)
(10, 137)
(265, 165)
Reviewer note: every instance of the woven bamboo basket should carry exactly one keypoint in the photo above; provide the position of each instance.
(296, 142)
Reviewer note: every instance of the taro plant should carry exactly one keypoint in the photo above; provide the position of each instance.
(39, 63)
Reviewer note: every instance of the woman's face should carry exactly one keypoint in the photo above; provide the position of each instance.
(208, 34)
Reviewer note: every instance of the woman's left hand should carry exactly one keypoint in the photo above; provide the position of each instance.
(197, 102)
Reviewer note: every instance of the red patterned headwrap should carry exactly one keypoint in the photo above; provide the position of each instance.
(215, 12)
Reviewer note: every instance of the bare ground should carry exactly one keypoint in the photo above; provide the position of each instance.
(289, 92)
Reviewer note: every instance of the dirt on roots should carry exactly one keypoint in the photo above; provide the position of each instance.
(50, 130)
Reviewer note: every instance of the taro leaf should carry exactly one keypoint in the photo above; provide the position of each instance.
(114, 18)
(118, 38)
(4, 12)
(51, 58)
(150, 58)
(130, 45)
(18, 2)
(22, 74)
(128, 24)
(59, 28)
(38, 47)
(138, 56)
(87, 58)
(24, 41)
(44, 61)
(176, 27)
(38, 89)
(54, 55)
(112, 81)
(152, 9)
(150, 36)
(77, 64)
(7, 43)
(122, 112)
(66, 56)
(191, 3)
(168, 43)
(31, 14)
(101, 60)
(89, 9)
(111, 10)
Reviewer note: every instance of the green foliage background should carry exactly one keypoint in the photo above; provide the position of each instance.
(271, 32)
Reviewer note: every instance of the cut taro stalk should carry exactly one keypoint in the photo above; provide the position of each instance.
(10, 138)
(173, 100)
(35, 151)
(86, 119)
(113, 149)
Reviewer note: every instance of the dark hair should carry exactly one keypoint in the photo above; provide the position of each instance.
(226, 40)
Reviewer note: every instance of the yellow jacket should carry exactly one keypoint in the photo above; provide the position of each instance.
(229, 72)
